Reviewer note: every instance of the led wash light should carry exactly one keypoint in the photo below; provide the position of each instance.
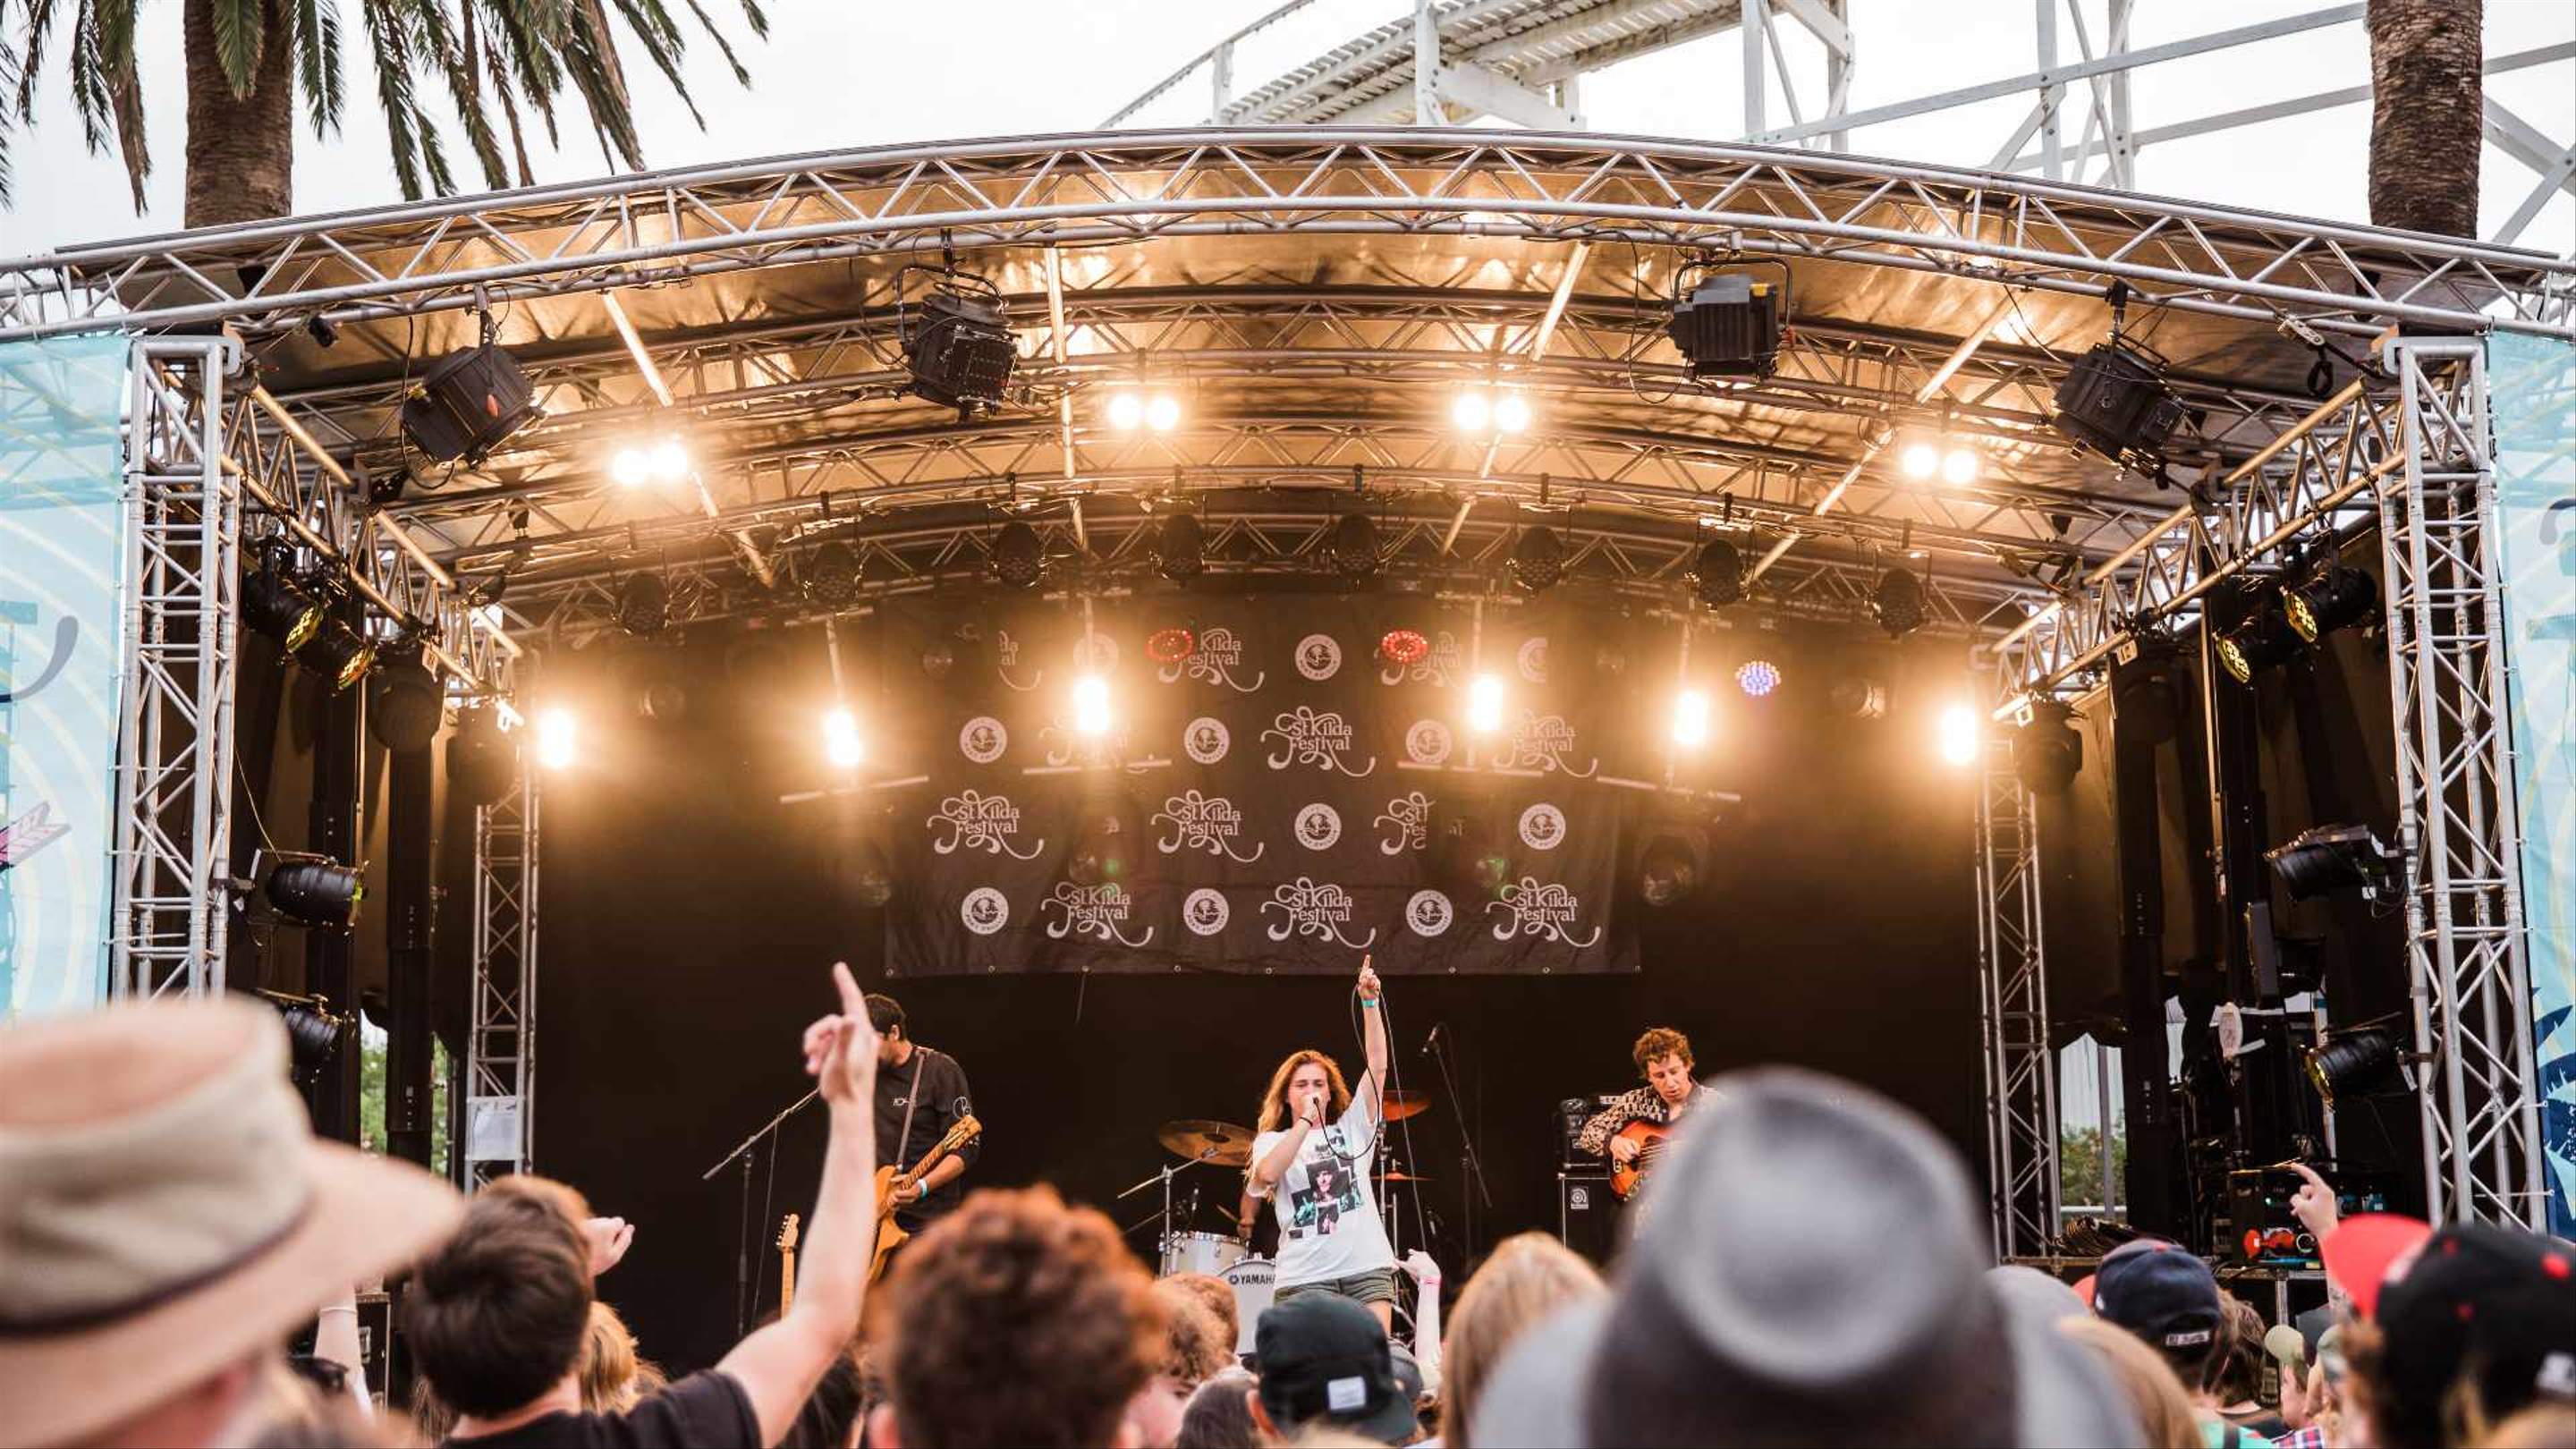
(558, 738)
(1960, 735)
(1485, 704)
(1690, 719)
(1757, 677)
(1091, 705)
(841, 743)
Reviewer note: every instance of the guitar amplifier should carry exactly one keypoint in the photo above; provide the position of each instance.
(1567, 1124)
(1587, 1214)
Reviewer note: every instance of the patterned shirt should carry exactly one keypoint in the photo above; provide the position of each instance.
(1643, 1104)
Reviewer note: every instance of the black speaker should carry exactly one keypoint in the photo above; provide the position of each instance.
(1566, 1121)
(1587, 1214)
(469, 402)
(2115, 402)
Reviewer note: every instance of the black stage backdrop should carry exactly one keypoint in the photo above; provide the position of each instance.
(690, 917)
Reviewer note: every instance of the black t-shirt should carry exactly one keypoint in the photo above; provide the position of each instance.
(702, 1411)
(938, 1084)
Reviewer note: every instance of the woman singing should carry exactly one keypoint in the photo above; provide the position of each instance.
(1311, 1160)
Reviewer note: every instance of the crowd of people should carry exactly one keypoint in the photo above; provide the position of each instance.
(1810, 1268)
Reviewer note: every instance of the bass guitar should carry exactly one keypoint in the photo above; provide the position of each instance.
(1626, 1177)
(890, 1234)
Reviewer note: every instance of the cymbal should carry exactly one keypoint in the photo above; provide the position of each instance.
(1202, 1140)
(1402, 1177)
(1402, 1103)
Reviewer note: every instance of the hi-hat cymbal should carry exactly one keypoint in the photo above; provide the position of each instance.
(1402, 1177)
(1201, 1140)
(1401, 1104)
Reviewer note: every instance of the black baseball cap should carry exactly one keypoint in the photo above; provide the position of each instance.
(1324, 1358)
(2492, 1303)
(2162, 1293)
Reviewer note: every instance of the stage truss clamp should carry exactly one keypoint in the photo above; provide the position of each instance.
(501, 1038)
(2012, 1010)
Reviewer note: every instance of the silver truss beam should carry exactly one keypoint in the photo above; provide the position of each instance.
(501, 1038)
(2012, 1000)
(2476, 1085)
(172, 856)
(665, 226)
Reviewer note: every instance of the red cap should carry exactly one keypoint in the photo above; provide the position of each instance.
(2361, 1250)
(2084, 1290)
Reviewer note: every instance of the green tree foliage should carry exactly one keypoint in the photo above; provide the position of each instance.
(2079, 1165)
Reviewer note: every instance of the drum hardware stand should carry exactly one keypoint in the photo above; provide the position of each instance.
(1473, 1194)
(1163, 1240)
(742, 1247)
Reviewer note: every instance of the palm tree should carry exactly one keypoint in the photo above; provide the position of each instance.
(249, 62)
(2427, 117)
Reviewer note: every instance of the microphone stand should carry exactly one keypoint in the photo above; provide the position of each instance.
(1472, 1164)
(742, 1244)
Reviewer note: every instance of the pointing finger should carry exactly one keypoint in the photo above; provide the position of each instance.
(852, 1002)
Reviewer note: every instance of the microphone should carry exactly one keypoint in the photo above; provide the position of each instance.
(2288, 1346)
(1433, 1040)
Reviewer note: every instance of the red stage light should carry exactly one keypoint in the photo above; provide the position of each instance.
(1170, 646)
(1404, 646)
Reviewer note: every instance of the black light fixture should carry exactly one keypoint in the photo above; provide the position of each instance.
(405, 705)
(469, 402)
(313, 1031)
(1538, 560)
(1898, 602)
(958, 343)
(1856, 696)
(1180, 547)
(482, 763)
(1717, 574)
(1727, 324)
(2332, 858)
(315, 890)
(2114, 402)
(1351, 548)
(1673, 866)
(830, 574)
(2356, 1064)
(1019, 555)
(2047, 751)
(2334, 597)
(338, 653)
(277, 607)
(643, 604)
(2263, 639)
(957, 654)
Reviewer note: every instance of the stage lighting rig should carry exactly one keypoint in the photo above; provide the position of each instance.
(1180, 547)
(2114, 402)
(1673, 865)
(1171, 645)
(1485, 703)
(643, 604)
(313, 1031)
(405, 705)
(314, 890)
(2360, 1063)
(841, 742)
(1717, 574)
(1019, 555)
(1757, 678)
(2335, 597)
(1091, 713)
(2048, 751)
(469, 402)
(957, 341)
(1960, 734)
(830, 574)
(338, 653)
(2330, 858)
(1726, 324)
(1538, 560)
(1403, 648)
(1898, 602)
(275, 606)
(558, 737)
(1690, 718)
(2264, 638)
(1351, 548)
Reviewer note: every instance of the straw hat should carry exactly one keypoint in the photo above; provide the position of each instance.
(165, 1209)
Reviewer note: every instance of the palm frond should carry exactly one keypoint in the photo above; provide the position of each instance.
(530, 36)
(453, 52)
(741, 77)
(663, 45)
(590, 63)
(241, 35)
(317, 62)
(29, 62)
(389, 45)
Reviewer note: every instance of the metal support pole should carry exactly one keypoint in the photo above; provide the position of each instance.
(2012, 981)
(1426, 66)
(1757, 20)
(500, 1043)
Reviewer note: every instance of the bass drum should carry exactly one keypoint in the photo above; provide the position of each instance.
(1210, 1253)
(1252, 1281)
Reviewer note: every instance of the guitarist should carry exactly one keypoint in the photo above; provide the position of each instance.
(921, 1093)
(1663, 1058)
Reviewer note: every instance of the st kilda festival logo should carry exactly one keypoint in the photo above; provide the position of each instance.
(1547, 911)
(1006, 662)
(1098, 911)
(1308, 907)
(1193, 821)
(1217, 659)
(1545, 742)
(973, 820)
(1407, 823)
(1306, 736)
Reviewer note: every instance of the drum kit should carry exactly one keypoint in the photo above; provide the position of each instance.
(1183, 1248)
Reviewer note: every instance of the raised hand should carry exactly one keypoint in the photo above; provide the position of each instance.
(2314, 1203)
(841, 1049)
(1370, 988)
(609, 1238)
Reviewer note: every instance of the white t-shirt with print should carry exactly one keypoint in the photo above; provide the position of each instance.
(1327, 1206)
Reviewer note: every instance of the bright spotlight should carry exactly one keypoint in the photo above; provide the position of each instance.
(1164, 413)
(1473, 412)
(1485, 703)
(1690, 718)
(631, 468)
(670, 461)
(1091, 705)
(1511, 414)
(1960, 465)
(1919, 461)
(1959, 735)
(1757, 677)
(1126, 411)
(558, 736)
(841, 743)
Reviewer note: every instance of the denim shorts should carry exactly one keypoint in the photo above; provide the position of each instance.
(1374, 1286)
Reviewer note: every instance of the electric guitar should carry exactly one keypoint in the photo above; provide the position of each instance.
(1627, 1177)
(890, 1234)
(787, 1265)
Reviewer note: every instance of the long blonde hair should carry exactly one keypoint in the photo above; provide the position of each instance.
(1274, 1098)
(1529, 1276)
(2155, 1393)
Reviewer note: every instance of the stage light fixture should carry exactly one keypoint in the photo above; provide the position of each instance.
(1351, 547)
(275, 606)
(2114, 402)
(1856, 698)
(841, 742)
(315, 890)
(482, 764)
(1019, 555)
(1403, 648)
(830, 574)
(2356, 1064)
(1180, 547)
(1690, 719)
(338, 653)
(1511, 413)
(1162, 412)
(1091, 705)
(2047, 750)
(558, 737)
(866, 875)
(1727, 325)
(2334, 598)
(1538, 560)
(631, 468)
(1757, 677)
(1919, 460)
(405, 705)
(643, 604)
(2331, 858)
(1171, 645)
(1126, 411)
(1671, 868)
(1960, 466)
(1898, 602)
(1485, 703)
(1960, 736)
(959, 345)
(468, 403)
(1472, 412)
(1717, 574)
(2263, 640)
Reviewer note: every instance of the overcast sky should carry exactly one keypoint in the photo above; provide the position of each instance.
(837, 73)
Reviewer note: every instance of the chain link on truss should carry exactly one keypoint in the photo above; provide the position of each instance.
(501, 1039)
(2012, 1009)
(172, 856)
(2476, 1086)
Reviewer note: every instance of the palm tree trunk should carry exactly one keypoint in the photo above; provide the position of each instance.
(2426, 116)
(241, 152)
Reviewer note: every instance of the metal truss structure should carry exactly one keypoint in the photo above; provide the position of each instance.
(501, 1039)
(172, 842)
(2477, 1087)
(2012, 1001)
(1524, 62)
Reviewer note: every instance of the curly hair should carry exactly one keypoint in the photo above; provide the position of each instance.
(1196, 1346)
(1019, 1320)
(1274, 1098)
(1217, 1294)
(1658, 1043)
